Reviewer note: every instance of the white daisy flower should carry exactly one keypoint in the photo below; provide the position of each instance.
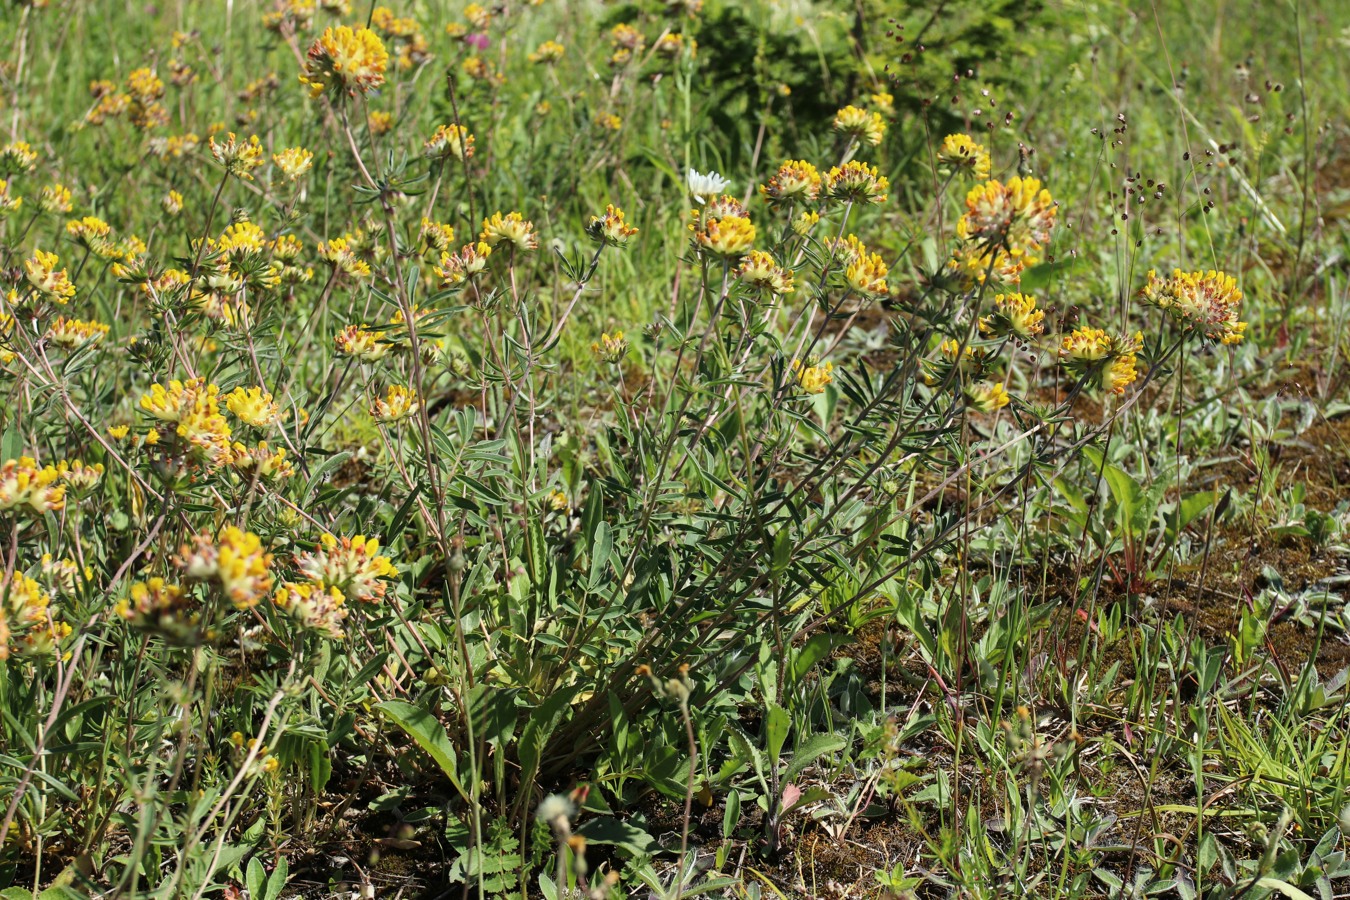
(705, 186)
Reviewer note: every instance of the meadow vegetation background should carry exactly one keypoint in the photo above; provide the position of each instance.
(672, 449)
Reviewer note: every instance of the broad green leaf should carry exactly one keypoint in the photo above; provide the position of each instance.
(428, 732)
(609, 830)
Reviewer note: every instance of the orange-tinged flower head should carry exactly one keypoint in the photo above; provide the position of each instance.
(345, 61)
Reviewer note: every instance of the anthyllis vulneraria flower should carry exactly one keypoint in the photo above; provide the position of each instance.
(356, 341)
(54, 199)
(171, 203)
(339, 254)
(867, 274)
(512, 228)
(1016, 216)
(548, 53)
(436, 237)
(457, 268)
(672, 44)
(293, 162)
(728, 237)
(253, 406)
(449, 140)
(318, 608)
(9, 201)
(759, 270)
(611, 348)
(93, 234)
(398, 403)
(702, 186)
(156, 603)
(860, 125)
(1100, 358)
(1203, 302)
(987, 396)
(16, 157)
(610, 229)
(49, 282)
(1014, 316)
(26, 621)
(353, 566)
(960, 152)
(235, 560)
(72, 334)
(79, 477)
(345, 61)
(856, 182)
(239, 157)
(795, 181)
(193, 406)
(263, 461)
(812, 377)
(23, 483)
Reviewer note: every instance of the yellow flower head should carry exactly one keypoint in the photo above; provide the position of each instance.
(23, 483)
(314, 606)
(795, 181)
(253, 406)
(1100, 358)
(812, 378)
(9, 201)
(512, 228)
(728, 237)
(548, 53)
(1207, 303)
(293, 162)
(341, 255)
(987, 396)
(860, 124)
(457, 268)
(611, 348)
(238, 157)
(352, 566)
(157, 603)
(171, 203)
(356, 341)
(857, 182)
(71, 334)
(345, 62)
(1016, 216)
(867, 275)
(16, 157)
(49, 282)
(1015, 316)
(759, 270)
(54, 199)
(961, 152)
(435, 236)
(449, 140)
(610, 229)
(262, 461)
(398, 403)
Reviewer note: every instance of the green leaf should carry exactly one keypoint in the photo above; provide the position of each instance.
(427, 731)
(731, 816)
(816, 648)
(601, 548)
(539, 728)
(609, 830)
(320, 475)
(277, 881)
(1283, 887)
(777, 722)
(812, 749)
(11, 447)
